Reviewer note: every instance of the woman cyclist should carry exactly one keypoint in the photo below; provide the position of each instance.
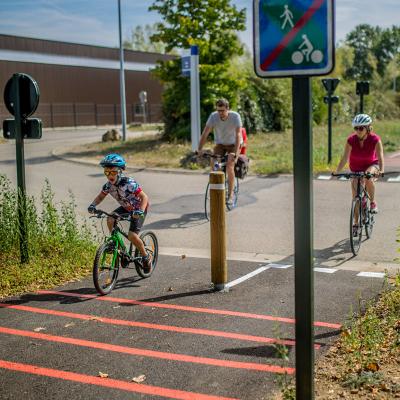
(364, 152)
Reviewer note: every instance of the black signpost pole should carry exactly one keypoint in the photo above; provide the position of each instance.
(303, 240)
(19, 146)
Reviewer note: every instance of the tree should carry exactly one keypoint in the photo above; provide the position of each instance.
(362, 39)
(140, 40)
(213, 26)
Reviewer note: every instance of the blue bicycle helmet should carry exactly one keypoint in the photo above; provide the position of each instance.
(362, 120)
(113, 160)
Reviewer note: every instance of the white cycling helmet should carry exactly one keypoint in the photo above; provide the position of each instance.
(361, 120)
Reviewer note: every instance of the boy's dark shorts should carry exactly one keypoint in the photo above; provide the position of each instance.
(136, 223)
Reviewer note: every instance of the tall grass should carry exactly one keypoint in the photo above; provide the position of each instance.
(59, 248)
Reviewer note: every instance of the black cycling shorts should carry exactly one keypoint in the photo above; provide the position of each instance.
(136, 223)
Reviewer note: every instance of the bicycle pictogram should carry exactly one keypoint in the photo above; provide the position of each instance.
(306, 51)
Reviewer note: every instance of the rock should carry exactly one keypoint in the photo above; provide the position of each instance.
(111, 136)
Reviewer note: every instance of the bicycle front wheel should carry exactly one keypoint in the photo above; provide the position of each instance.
(150, 242)
(355, 219)
(106, 267)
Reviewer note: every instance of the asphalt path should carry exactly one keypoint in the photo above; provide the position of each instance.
(171, 331)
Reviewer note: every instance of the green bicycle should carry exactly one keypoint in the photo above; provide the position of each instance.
(113, 254)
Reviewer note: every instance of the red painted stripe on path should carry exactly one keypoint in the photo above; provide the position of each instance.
(188, 308)
(291, 34)
(195, 331)
(107, 382)
(149, 353)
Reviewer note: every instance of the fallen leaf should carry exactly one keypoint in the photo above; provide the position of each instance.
(40, 328)
(117, 307)
(103, 375)
(373, 366)
(170, 289)
(139, 379)
(183, 256)
(69, 324)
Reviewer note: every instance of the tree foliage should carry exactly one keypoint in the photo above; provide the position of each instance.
(212, 25)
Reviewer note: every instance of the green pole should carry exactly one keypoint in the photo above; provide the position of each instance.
(19, 145)
(303, 243)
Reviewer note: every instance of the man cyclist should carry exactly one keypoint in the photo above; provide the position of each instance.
(227, 138)
(131, 197)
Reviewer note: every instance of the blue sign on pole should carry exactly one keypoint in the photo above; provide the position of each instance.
(293, 37)
(185, 62)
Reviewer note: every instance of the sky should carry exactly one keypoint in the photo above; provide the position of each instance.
(96, 21)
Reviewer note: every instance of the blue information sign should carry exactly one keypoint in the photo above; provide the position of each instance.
(293, 37)
(185, 65)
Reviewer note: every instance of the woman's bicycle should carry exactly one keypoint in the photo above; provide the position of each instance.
(361, 217)
(113, 254)
(220, 165)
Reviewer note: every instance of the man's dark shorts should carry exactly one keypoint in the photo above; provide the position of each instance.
(136, 223)
(222, 149)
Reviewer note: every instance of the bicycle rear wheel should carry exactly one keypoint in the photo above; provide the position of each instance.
(356, 218)
(235, 194)
(106, 267)
(369, 218)
(150, 242)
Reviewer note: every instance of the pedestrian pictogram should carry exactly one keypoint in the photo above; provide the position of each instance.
(293, 37)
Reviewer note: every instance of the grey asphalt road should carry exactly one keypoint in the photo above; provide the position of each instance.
(262, 224)
(188, 341)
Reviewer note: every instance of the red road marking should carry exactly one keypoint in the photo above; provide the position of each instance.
(107, 382)
(149, 353)
(195, 331)
(291, 34)
(188, 308)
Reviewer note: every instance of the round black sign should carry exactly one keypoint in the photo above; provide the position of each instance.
(28, 94)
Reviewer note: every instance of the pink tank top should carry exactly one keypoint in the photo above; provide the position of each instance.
(362, 157)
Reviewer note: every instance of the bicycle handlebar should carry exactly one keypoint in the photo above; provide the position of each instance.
(100, 213)
(367, 175)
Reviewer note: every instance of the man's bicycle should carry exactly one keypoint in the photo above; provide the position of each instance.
(361, 217)
(220, 165)
(113, 254)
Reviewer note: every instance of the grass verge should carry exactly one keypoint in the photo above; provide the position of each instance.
(270, 153)
(59, 250)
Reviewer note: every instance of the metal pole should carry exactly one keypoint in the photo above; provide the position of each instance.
(122, 75)
(19, 146)
(194, 97)
(303, 243)
(329, 129)
(361, 103)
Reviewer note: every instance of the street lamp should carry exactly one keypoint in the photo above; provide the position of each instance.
(121, 75)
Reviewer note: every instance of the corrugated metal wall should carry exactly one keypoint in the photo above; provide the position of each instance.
(72, 95)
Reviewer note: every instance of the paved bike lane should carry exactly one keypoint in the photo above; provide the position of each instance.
(188, 341)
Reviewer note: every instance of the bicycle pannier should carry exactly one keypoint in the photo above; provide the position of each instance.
(242, 166)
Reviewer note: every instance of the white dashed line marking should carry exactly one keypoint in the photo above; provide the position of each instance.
(324, 177)
(397, 179)
(245, 277)
(279, 266)
(372, 274)
(326, 270)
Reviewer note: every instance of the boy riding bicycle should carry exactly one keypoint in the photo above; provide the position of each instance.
(131, 197)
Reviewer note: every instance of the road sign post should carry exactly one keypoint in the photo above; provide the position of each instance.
(21, 97)
(330, 85)
(362, 88)
(295, 38)
(194, 97)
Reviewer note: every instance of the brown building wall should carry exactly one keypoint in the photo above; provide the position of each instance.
(71, 95)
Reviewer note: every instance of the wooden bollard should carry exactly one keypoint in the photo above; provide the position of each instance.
(219, 273)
